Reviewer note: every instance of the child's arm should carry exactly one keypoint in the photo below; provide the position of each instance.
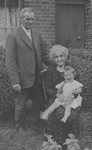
(60, 94)
(60, 88)
(71, 97)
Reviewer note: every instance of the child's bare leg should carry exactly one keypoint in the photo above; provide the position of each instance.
(48, 111)
(67, 113)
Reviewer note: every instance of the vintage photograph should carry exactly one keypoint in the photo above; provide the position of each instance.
(45, 74)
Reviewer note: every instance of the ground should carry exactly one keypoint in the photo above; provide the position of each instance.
(30, 139)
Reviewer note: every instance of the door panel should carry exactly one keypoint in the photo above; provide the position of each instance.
(70, 24)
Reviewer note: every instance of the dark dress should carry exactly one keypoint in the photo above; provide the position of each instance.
(54, 127)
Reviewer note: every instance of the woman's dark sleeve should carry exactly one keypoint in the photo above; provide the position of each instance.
(78, 79)
(50, 90)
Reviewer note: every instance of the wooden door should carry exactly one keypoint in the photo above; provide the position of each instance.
(70, 20)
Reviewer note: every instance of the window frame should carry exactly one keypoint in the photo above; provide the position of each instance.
(5, 28)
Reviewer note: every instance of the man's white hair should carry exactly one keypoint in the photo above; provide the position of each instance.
(26, 9)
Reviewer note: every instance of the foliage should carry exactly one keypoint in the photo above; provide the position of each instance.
(50, 144)
(84, 69)
(72, 143)
(6, 92)
(80, 59)
(29, 139)
(82, 53)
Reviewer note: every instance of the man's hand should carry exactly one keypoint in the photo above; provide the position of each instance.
(17, 87)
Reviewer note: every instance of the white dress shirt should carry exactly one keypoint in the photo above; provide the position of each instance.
(28, 32)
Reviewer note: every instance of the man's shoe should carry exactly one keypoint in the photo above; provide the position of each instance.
(22, 130)
(17, 126)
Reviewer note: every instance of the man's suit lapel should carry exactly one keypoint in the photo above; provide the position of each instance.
(34, 38)
(24, 37)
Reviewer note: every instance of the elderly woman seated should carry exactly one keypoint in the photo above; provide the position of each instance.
(55, 75)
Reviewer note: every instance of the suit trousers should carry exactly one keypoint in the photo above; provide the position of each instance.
(34, 93)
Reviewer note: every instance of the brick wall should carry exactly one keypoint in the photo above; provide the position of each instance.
(88, 23)
(45, 20)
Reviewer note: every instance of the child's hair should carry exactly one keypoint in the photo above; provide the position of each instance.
(69, 68)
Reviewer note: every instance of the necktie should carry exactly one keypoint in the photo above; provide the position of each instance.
(29, 34)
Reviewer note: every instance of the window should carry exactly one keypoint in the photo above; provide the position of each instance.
(9, 2)
(9, 17)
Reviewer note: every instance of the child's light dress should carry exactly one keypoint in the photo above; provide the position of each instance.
(67, 91)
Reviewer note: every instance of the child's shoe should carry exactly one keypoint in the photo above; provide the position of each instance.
(43, 116)
(63, 120)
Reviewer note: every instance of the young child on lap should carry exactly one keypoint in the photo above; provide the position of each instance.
(65, 95)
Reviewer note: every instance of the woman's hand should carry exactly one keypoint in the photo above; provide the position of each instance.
(74, 92)
(77, 91)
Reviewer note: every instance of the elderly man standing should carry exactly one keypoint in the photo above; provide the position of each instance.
(24, 55)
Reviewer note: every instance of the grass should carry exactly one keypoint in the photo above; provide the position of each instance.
(30, 139)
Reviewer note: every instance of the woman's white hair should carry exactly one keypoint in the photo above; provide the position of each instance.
(58, 47)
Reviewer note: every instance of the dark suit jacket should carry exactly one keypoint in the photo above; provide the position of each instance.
(20, 58)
